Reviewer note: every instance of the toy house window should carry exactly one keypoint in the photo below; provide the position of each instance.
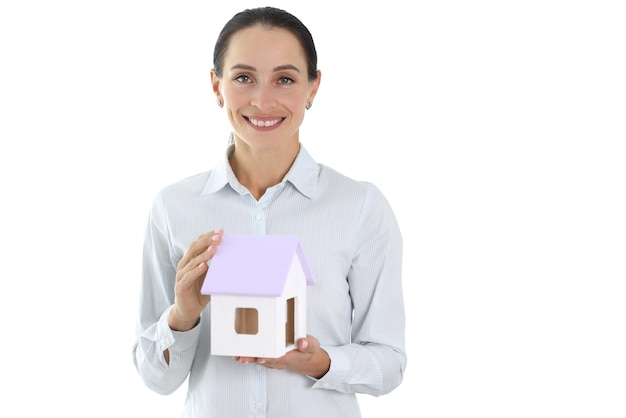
(290, 324)
(246, 321)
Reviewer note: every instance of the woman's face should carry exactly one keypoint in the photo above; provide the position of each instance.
(264, 86)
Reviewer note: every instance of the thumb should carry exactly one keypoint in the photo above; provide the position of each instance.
(308, 345)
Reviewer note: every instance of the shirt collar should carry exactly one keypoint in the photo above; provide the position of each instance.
(302, 174)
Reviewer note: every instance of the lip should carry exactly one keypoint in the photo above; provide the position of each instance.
(264, 123)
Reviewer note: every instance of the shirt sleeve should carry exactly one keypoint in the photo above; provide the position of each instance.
(375, 360)
(153, 334)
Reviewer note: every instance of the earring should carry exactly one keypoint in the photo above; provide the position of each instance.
(307, 107)
(219, 103)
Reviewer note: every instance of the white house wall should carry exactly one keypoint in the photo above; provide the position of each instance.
(226, 341)
(296, 287)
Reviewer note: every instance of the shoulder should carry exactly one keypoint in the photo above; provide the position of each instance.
(181, 192)
(330, 178)
(363, 203)
(192, 185)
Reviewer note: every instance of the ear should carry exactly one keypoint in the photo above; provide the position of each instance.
(215, 83)
(313, 86)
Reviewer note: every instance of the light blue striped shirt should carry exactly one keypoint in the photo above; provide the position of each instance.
(353, 243)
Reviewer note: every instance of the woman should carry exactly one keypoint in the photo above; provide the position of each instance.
(265, 76)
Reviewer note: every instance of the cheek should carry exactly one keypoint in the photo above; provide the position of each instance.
(236, 98)
(294, 102)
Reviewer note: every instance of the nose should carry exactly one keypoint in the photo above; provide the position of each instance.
(263, 98)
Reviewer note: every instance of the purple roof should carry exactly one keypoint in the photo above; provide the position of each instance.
(247, 264)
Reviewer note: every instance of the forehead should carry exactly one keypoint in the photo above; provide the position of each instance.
(257, 44)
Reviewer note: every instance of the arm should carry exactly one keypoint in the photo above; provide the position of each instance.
(375, 361)
(170, 305)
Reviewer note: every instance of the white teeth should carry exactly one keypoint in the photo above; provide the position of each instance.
(264, 123)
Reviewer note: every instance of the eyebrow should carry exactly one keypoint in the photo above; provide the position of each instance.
(251, 68)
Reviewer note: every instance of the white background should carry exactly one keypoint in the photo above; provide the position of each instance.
(495, 128)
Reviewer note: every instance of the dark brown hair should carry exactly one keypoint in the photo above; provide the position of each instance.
(270, 17)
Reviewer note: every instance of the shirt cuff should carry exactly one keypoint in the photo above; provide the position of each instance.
(169, 339)
(335, 377)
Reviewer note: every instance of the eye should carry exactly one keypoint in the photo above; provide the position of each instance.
(242, 78)
(285, 80)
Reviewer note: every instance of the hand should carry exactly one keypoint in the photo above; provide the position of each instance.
(307, 359)
(192, 269)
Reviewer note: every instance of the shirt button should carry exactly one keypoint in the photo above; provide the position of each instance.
(167, 340)
(259, 216)
(258, 368)
(257, 405)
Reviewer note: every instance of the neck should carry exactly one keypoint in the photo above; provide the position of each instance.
(257, 171)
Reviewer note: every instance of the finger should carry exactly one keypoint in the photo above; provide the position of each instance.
(200, 245)
(197, 261)
(187, 277)
(245, 360)
(213, 237)
(195, 248)
(308, 345)
(210, 239)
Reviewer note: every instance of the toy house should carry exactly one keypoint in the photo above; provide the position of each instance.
(258, 289)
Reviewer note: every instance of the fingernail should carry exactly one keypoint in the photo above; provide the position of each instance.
(215, 237)
(304, 344)
(209, 249)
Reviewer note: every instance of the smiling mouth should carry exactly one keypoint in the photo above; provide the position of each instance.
(264, 123)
